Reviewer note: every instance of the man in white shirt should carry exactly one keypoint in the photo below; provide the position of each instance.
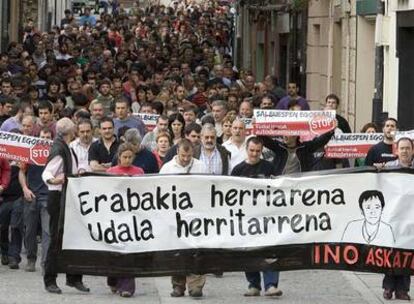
(236, 145)
(184, 162)
(80, 146)
(214, 156)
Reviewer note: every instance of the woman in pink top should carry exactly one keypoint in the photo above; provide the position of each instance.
(126, 153)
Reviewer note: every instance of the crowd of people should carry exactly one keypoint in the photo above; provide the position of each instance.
(83, 83)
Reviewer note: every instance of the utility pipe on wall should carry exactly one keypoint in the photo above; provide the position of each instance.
(330, 50)
(347, 63)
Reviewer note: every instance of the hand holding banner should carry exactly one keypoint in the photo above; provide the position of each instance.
(177, 224)
(356, 145)
(351, 145)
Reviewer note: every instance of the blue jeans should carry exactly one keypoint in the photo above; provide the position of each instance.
(35, 212)
(12, 213)
(270, 278)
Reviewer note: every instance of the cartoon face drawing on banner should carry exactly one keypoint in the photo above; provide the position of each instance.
(371, 229)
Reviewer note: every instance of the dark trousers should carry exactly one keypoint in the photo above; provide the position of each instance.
(396, 282)
(11, 213)
(53, 207)
(35, 213)
(4, 238)
(122, 284)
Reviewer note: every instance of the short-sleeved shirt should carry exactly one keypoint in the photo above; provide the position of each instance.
(144, 159)
(379, 153)
(259, 170)
(131, 123)
(99, 153)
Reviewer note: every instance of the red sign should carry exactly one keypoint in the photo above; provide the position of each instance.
(39, 154)
(293, 123)
(352, 145)
(27, 149)
(321, 124)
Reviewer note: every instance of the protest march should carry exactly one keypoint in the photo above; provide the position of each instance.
(132, 146)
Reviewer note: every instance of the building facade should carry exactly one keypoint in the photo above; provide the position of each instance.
(362, 51)
(15, 14)
(270, 39)
(341, 57)
(395, 33)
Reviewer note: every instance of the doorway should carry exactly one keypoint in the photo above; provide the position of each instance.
(405, 49)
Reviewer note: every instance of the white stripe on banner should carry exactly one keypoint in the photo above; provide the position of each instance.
(156, 213)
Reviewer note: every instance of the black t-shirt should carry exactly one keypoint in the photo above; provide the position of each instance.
(99, 153)
(262, 169)
(379, 153)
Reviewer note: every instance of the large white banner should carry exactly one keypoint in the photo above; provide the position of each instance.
(159, 213)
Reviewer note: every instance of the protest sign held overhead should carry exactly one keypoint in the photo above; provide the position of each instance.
(24, 148)
(351, 145)
(401, 134)
(293, 123)
(305, 222)
(149, 120)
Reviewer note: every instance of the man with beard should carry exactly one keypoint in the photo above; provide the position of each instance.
(381, 153)
(267, 102)
(292, 89)
(97, 110)
(105, 96)
(215, 157)
(81, 145)
(103, 150)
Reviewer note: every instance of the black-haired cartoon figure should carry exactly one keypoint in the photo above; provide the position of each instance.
(370, 230)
